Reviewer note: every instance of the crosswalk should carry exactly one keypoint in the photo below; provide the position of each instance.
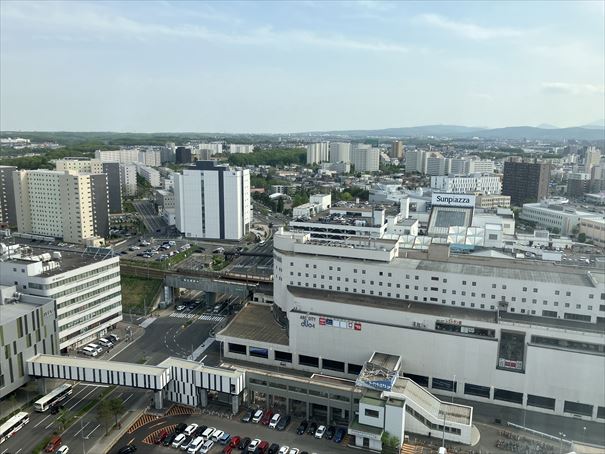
(203, 317)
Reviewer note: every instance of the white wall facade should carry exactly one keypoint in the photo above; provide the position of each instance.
(340, 152)
(128, 179)
(238, 148)
(318, 152)
(456, 184)
(365, 158)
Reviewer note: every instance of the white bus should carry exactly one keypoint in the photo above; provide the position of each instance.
(11, 426)
(57, 395)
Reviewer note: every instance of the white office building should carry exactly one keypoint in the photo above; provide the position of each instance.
(318, 152)
(436, 164)
(238, 148)
(471, 184)
(415, 161)
(481, 166)
(556, 216)
(85, 288)
(150, 157)
(213, 201)
(365, 158)
(340, 152)
(149, 174)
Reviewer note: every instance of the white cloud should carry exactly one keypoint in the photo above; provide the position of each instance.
(470, 30)
(82, 20)
(572, 88)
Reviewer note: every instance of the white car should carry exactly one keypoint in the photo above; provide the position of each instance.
(180, 307)
(216, 435)
(253, 445)
(195, 445)
(206, 447)
(284, 450)
(178, 440)
(258, 415)
(190, 429)
(63, 450)
(294, 451)
(319, 433)
(134, 248)
(274, 420)
(208, 432)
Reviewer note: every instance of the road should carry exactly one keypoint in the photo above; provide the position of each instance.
(251, 265)
(153, 223)
(43, 424)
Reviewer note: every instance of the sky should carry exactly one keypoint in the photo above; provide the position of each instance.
(275, 67)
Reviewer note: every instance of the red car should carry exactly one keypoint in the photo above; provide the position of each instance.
(267, 417)
(235, 442)
(263, 446)
(227, 449)
(161, 437)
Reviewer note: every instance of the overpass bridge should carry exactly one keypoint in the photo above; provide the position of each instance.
(229, 283)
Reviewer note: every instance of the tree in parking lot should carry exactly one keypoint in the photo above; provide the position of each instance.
(105, 414)
(117, 408)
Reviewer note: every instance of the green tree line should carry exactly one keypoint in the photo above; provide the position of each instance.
(277, 157)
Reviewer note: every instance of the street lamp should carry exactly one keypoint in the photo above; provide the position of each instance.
(561, 436)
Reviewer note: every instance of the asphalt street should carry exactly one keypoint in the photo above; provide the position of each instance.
(154, 223)
(255, 265)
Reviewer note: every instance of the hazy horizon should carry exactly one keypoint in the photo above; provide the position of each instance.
(291, 67)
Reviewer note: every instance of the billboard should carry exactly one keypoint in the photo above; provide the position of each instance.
(453, 200)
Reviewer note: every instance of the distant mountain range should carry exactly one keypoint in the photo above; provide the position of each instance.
(592, 131)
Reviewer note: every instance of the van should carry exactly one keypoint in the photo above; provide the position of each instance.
(195, 445)
(53, 444)
(89, 351)
(96, 347)
(208, 432)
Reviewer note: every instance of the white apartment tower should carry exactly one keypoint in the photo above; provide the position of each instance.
(58, 204)
(340, 152)
(213, 201)
(415, 161)
(128, 179)
(365, 158)
(238, 148)
(469, 184)
(318, 152)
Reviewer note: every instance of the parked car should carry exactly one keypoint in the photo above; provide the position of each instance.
(190, 429)
(161, 437)
(330, 432)
(113, 338)
(283, 422)
(293, 451)
(224, 439)
(263, 446)
(227, 449)
(170, 438)
(127, 449)
(258, 415)
(274, 420)
(319, 433)
(340, 434)
(180, 438)
(206, 447)
(312, 428)
(208, 432)
(273, 449)
(235, 441)
(53, 444)
(302, 427)
(186, 443)
(244, 443)
(180, 427)
(216, 435)
(266, 418)
(195, 445)
(284, 450)
(63, 450)
(253, 445)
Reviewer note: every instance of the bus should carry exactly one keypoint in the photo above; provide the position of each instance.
(11, 426)
(55, 396)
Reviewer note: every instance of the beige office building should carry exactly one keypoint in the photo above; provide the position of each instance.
(56, 204)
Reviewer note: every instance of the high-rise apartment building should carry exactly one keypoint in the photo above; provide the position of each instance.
(183, 155)
(481, 166)
(468, 184)
(214, 147)
(365, 158)
(318, 152)
(96, 166)
(66, 205)
(149, 174)
(128, 179)
(436, 164)
(525, 181)
(213, 201)
(340, 152)
(8, 215)
(415, 161)
(397, 150)
(238, 148)
(152, 158)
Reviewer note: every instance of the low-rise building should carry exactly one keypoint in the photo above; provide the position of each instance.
(469, 184)
(149, 174)
(564, 218)
(594, 229)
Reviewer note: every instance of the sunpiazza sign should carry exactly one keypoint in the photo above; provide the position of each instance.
(453, 200)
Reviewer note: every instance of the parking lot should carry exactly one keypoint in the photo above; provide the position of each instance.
(143, 438)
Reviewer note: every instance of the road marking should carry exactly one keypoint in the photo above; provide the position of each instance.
(89, 433)
(74, 395)
(42, 421)
(89, 393)
(51, 423)
(4, 451)
(20, 449)
(126, 400)
(130, 442)
(81, 429)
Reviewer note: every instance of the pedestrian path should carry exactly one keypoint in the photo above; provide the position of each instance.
(203, 317)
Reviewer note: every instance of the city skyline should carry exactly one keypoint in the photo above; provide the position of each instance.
(272, 67)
